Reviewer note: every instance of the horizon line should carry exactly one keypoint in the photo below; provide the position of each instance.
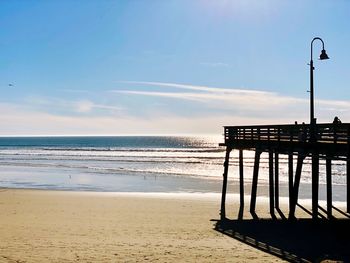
(111, 135)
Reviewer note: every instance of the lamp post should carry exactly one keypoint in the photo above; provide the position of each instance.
(315, 154)
(323, 56)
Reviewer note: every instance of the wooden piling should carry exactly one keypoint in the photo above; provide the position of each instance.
(290, 179)
(348, 185)
(348, 173)
(224, 184)
(271, 184)
(296, 184)
(241, 185)
(277, 192)
(329, 186)
(315, 184)
(255, 181)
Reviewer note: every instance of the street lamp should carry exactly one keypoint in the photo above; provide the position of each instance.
(313, 137)
(323, 56)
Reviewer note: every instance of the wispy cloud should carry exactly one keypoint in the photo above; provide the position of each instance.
(340, 105)
(207, 110)
(75, 106)
(224, 100)
(216, 97)
(194, 87)
(86, 106)
(174, 95)
(18, 120)
(249, 102)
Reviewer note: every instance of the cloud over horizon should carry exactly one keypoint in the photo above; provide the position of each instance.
(253, 103)
(212, 108)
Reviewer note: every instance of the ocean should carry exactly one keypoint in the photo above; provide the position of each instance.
(140, 164)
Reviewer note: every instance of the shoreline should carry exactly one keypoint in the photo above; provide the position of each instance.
(175, 185)
(189, 196)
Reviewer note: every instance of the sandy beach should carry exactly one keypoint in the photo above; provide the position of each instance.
(59, 226)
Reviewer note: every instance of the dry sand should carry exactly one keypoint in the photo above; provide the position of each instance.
(58, 226)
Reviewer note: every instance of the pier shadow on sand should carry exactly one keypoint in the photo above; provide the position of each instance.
(301, 240)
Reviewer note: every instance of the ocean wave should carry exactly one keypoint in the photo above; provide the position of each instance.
(113, 149)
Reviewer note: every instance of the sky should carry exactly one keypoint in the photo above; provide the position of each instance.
(156, 67)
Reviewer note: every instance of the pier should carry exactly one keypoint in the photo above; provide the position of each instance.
(328, 141)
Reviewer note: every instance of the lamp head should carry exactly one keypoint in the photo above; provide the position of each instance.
(323, 55)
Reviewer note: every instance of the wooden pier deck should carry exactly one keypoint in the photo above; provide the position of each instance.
(329, 141)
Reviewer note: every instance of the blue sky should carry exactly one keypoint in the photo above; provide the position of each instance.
(168, 67)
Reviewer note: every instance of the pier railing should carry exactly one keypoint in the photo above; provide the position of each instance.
(325, 138)
(323, 133)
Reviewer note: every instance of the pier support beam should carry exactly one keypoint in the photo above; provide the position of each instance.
(290, 179)
(271, 184)
(255, 182)
(224, 184)
(295, 192)
(348, 184)
(241, 185)
(348, 174)
(329, 186)
(315, 184)
(277, 183)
